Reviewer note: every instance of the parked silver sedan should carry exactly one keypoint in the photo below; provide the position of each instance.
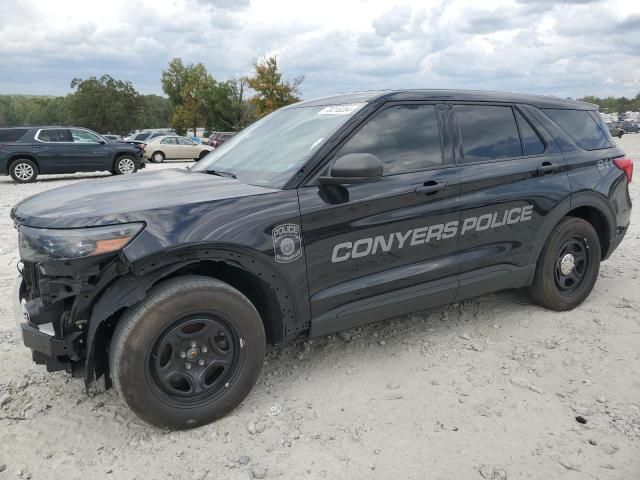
(174, 147)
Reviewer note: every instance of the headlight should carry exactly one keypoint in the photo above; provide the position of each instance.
(40, 244)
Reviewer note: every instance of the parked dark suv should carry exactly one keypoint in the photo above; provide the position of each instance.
(27, 152)
(321, 216)
(629, 127)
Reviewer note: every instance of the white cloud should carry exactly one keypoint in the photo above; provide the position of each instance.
(567, 48)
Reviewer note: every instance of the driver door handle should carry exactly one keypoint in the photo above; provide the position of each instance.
(430, 188)
(547, 167)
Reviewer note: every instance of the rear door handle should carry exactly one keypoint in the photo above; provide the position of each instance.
(547, 167)
(430, 188)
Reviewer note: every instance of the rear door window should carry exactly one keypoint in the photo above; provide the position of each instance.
(55, 135)
(488, 132)
(532, 144)
(581, 127)
(405, 138)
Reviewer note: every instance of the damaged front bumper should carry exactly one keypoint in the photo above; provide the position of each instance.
(52, 305)
(46, 349)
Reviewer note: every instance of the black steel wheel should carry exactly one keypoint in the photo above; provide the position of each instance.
(571, 264)
(189, 353)
(195, 357)
(568, 265)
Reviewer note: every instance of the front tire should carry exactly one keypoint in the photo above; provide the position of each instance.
(125, 165)
(189, 353)
(23, 170)
(568, 266)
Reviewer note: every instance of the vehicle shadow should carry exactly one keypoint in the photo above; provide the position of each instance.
(437, 336)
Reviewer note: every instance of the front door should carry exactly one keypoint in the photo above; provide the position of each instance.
(384, 248)
(88, 152)
(187, 148)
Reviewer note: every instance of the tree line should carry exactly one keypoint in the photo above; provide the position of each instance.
(194, 99)
(97, 104)
(615, 104)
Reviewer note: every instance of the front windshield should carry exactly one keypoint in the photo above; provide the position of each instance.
(270, 151)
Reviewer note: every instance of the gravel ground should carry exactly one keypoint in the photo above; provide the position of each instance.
(491, 388)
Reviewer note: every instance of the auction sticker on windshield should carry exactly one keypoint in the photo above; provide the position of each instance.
(339, 109)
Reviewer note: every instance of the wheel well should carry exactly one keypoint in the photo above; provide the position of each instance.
(20, 157)
(255, 289)
(599, 223)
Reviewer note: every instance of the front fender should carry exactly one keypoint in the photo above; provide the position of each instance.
(132, 288)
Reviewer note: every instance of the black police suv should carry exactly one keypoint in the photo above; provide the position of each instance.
(29, 151)
(321, 216)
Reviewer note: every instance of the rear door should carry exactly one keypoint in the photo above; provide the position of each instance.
(53, 148)
(381, 249)
(89, 152)
(512, 176)
(170, 147)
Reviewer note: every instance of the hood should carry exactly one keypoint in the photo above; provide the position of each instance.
(122, 198)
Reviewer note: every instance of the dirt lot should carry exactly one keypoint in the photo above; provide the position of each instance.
(487, 388)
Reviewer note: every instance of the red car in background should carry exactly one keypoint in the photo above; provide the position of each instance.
(218, 138)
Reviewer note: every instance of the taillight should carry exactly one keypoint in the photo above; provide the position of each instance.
(626, 165)
(143, 146)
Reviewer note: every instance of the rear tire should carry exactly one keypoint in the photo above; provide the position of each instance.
(568, 265)
(157, 157)
(124, 165)
(192, 320)
(23, 170)
(203, 154)
(620, 135)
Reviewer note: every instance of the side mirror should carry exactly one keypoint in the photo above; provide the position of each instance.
(354, 168)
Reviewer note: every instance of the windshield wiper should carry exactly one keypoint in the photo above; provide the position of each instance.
(220, 173)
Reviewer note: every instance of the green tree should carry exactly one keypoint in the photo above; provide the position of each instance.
(272, 92)
(157, 111)
(7, 113)
(226, 106)
(106, 105)
(187, 86)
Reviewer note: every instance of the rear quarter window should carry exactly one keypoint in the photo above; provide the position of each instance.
(581, 127)
(12, 134)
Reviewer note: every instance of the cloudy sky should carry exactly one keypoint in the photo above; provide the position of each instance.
(565, 48)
